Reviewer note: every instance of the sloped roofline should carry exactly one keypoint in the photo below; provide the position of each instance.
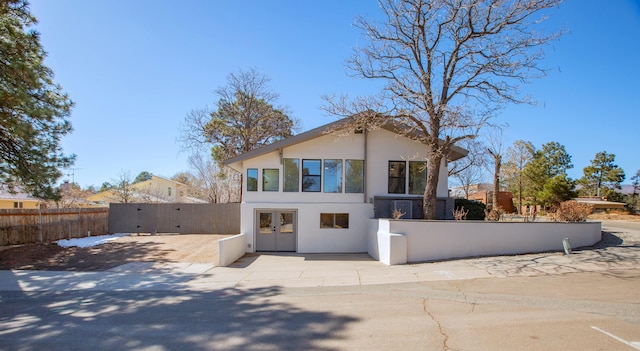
(456, 152)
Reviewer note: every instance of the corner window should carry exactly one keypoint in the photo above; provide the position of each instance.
(397, 177)
(291, 177)
(417, 177)
(252, 179)
(354, 176)
(332, 176)
(270, 179)
(311, 170)
(334, 220)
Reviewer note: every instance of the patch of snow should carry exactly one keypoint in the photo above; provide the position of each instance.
(90, 241)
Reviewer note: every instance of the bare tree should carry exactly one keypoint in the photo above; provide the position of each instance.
(122, 188)
(211, 183)
(495, 150)
(448, 65)
(518, 156)
(467, 177)
(245, 118)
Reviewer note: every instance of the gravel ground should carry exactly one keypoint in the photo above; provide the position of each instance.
(191, 248)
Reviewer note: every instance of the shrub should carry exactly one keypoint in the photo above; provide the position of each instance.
(494, 215)
(475, 208)
(460, 214)
(573, 211)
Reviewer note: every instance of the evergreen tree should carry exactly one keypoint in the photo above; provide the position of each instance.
(602, 177)
(548, 183)
(33, 109)
(144, 175)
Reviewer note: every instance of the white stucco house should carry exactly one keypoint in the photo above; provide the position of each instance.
(316, 192)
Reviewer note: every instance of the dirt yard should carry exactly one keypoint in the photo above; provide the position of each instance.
(192, 248)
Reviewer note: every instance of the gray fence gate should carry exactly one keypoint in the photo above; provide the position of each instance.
(175, 218)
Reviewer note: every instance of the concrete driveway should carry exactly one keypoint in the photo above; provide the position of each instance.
(585, 301)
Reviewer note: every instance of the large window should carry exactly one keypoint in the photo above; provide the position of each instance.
(397, 177)
(252, 179)
(334, 220)
(354, 176)
(311, 170)
(417, 177)
(291, 175)
(270, 179)
(332, 176)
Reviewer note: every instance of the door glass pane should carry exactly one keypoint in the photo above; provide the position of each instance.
(332, 176)
(286, 222)
(265, 223)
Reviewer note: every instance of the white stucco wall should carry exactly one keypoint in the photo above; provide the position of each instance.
(231, 249)
(385, 146)
(382, 146)
(310, 237)
(436, 240)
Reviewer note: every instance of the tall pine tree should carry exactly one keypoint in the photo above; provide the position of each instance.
(33, 109)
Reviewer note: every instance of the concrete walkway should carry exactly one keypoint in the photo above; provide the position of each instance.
(616, 252)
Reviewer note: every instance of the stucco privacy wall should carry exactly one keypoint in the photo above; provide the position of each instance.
(230, 249)
(436, 240)
(311, 238)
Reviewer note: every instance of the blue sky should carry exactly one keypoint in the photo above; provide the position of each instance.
(136, 68)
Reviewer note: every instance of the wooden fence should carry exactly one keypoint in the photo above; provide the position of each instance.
(21, 226)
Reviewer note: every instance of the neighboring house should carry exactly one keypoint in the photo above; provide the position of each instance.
(17, 199)
(317, 191)
(483, 192)
(155, 190)
(602, 205)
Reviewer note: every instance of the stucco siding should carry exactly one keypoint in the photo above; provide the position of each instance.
(310, 237)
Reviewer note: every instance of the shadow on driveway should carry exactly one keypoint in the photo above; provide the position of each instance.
(177, 320)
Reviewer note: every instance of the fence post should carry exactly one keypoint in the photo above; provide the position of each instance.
(41, 237)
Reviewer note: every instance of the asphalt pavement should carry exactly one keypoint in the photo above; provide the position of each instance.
(588, 300)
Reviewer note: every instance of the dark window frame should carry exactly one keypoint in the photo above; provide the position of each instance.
(317, 178)
(397, 184)
(266, 171)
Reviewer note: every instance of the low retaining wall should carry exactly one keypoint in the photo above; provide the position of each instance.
(402, 241)
(231, 249)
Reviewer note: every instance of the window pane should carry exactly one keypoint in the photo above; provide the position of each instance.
(311, 175)
(417, 177)
(332, 176)
(270, 179)
(397, 177)
(354, 170)
(252, 179)
(291, 175)
(342, 220)
(326, 220)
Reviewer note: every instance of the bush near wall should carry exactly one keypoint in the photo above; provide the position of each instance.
(475, 208)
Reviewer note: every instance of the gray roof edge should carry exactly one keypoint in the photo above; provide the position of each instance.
(457, 151)
(296, 139)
